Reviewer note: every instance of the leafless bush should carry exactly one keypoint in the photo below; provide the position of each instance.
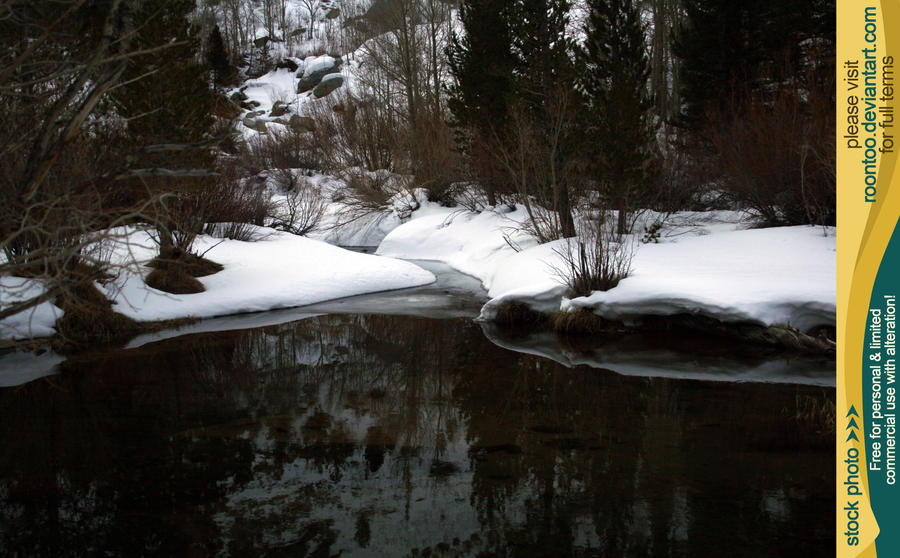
(535, 159)
(303, 207)
(778, 153)
(355, 132)
(230, 206)
(596, 260)
(436, 163)
(280, 149)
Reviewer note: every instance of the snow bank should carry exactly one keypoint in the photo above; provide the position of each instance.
(702, 265)
(35, 322)
(279, 271)
(781, 276)
(278, 85)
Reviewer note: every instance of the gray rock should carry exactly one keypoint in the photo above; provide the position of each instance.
(255, 124)
(302, 124)
(328, 84)
(311, 80)
(332, 13)
(262, 41)
(279, 109)
(238, 97)
(288, 65)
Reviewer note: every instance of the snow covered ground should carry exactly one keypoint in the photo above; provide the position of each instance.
(278, 270)
(35, 322)
(705, 263)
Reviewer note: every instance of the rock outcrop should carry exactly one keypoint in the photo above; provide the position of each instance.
(328, 84)
(316, 70)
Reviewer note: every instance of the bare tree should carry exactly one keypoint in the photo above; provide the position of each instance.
(312, 10)
(62, 162)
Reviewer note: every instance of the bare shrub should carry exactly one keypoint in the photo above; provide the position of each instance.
(436, 163)
(778, 153)
(303, 207)
(534, 158)
(280, 149)
(355, 132)
(596, 260)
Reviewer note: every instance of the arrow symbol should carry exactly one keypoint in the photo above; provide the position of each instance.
(852, 411)
(852, 423)
(852, 436)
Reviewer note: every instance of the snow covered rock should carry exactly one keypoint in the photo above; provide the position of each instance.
(255, 124)
(317, 69)
(279, 109)
(328, 84)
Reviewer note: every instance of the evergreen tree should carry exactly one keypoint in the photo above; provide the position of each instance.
(726, 45)
(544, 81)
(620, 112)
(167, 100)
(542, 51)
(481, 63)
(217, 59)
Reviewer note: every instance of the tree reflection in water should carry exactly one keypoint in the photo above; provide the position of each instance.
(392, 436)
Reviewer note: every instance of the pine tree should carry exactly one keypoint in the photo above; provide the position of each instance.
(217, 59)
(620, 111)
(728, 45)
(481, 63)
(545, 83)
(167, 100)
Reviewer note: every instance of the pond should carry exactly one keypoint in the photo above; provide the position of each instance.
(357, 429)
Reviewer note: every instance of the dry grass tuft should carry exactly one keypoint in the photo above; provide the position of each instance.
(518, 315)
(582, 322)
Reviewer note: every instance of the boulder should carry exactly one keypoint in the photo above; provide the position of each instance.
(255, 124)
(316, 70)
(263, 41)
(238, 96)
(250, 105)
(287, 64)
(332, 12)
(279, 109)
(328, 84)
(302, 124)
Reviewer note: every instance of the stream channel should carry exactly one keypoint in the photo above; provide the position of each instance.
(394, 424)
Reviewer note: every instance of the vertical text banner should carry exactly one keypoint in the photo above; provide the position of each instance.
(868, 279)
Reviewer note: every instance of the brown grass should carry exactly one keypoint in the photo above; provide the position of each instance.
(188, 263)
(582, 322)
(174, 271)
(89, 320)
(173, 281)
(518, 315)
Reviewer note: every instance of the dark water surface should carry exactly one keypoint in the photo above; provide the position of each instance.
(380, 435)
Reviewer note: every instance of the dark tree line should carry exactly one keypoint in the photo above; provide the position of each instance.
(543, 116)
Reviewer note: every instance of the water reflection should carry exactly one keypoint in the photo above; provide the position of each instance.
(402, 436)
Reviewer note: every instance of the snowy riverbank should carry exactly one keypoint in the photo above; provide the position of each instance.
(705, 263)
(278, 270)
